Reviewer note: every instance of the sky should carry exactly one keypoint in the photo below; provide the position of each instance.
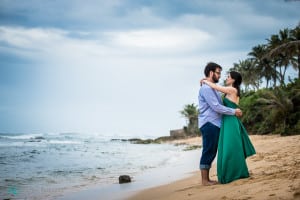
(121, 67)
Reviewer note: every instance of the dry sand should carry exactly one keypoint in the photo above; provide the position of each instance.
(274, 174)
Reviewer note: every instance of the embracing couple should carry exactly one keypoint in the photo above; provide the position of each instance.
(221, 129)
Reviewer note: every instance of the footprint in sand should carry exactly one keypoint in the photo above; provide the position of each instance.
(297, 195)
(257, 157)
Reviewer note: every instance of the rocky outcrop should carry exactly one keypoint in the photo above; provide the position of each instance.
(124, 179)
(158, 140)
(177, 133)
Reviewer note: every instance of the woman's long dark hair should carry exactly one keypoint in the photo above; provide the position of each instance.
(237, 77)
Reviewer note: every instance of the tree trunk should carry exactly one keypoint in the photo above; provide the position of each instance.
(284, 71)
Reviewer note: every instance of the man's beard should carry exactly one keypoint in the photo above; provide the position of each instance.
(214, 78)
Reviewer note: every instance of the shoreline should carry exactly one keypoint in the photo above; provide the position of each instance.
(274, 174)
(158, 176)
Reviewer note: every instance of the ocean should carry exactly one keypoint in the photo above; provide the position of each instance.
(47, 166)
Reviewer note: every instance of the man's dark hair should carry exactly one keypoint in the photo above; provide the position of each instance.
(211, 66)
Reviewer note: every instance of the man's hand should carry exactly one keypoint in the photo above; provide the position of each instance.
(238, 112)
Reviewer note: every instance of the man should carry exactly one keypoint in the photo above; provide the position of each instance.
(211, 110)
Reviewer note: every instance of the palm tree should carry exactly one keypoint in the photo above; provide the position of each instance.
(275, 106)
(251, 75)
(263, 64)
(190, 112)
(291, 48)
(281, 59)
(273, 43)
(295, 46)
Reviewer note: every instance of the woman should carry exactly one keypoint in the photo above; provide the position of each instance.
(234, 144)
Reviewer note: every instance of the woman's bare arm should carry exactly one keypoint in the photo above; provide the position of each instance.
(223, 89)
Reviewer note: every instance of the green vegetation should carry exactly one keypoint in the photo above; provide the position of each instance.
(190, 112)
(273, 107)
(272, 110)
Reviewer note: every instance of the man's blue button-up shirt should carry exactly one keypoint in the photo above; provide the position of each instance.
(211, 107)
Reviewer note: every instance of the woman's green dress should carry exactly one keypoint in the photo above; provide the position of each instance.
(233, 149)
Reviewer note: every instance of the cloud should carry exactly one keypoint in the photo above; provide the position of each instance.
(120, 65)
(79, 81)
(172, 39)
(32, 43)
(54, 43)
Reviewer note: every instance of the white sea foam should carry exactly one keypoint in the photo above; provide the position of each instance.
(21, 137)
(46, 159)
(63, 142)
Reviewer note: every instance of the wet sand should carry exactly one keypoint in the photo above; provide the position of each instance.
(274, 174)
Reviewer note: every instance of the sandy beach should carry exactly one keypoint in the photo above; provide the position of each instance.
(274, 174)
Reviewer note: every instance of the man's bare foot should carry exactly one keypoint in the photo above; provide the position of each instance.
(209, 183)
(214, 182)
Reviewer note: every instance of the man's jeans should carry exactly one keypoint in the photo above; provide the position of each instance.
(210, 138)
